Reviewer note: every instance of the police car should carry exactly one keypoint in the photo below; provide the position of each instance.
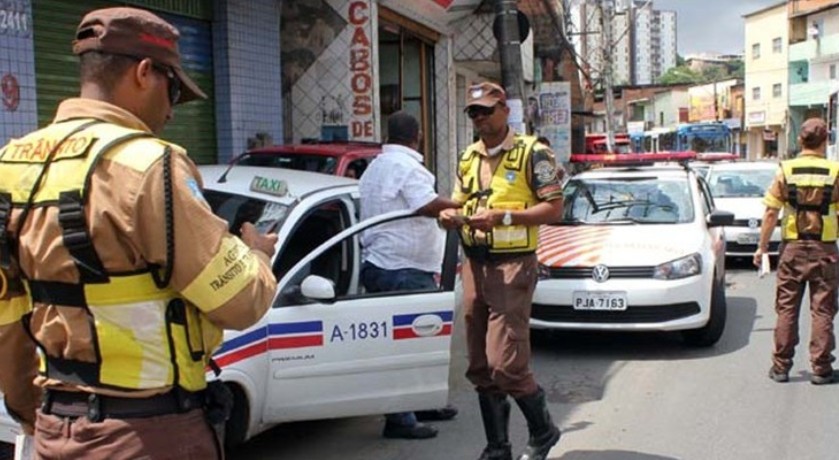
(640, 247)
(739, 188)
(326, 349)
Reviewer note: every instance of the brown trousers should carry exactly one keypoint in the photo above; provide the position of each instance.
(184, 436)
(815, 264)
(497, 298)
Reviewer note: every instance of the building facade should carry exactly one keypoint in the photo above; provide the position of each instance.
(813, 61)
(644, 40)
(767, 83)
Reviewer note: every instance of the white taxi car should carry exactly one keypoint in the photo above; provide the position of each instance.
(639, 248)
(326, 349)
(739, 188)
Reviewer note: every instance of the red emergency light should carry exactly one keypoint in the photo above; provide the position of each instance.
(632, 158)
(717, 156)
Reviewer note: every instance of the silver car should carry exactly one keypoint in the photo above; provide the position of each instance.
(739, 188)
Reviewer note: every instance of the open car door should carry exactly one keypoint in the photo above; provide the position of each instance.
(336, 351)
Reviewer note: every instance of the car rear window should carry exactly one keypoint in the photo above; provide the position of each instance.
(301, 162)
(236, 210)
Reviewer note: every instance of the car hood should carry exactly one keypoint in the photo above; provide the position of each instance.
(615, 245)
(743, 208)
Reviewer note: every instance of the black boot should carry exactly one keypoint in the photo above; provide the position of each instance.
(543, 433)
(495, 412)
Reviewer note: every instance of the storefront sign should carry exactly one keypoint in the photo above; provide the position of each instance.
(757, 118)
(361, 74)
(555, 117)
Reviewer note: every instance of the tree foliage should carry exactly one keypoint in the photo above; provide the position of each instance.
(709, 74)
(681, 74)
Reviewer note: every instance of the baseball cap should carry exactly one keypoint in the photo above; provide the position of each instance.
(485, 94)
(813, 131)
(138, 33)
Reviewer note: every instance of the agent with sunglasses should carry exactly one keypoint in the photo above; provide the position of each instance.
(118, 272)
(509, 185)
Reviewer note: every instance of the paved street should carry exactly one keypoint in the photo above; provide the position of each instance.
(625, 397)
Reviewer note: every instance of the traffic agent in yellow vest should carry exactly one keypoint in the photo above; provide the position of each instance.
(805, 174)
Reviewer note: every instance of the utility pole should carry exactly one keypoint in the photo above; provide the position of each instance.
(509, 47)
(606, 48)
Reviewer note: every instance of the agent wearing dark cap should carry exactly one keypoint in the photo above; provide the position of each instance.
(113, 261)
(807, 189)
(509, 185)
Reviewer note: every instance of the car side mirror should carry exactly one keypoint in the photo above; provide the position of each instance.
(318, 288)
(719, 218)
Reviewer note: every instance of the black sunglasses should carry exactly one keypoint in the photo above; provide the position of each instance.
(477, 110)
(172, 82)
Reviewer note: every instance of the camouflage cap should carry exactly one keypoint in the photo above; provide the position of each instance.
(813, 132)
(485, 94)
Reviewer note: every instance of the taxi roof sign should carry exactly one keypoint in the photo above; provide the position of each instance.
(274, 187)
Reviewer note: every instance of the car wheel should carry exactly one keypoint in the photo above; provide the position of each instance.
(236, 428)
(710, 334)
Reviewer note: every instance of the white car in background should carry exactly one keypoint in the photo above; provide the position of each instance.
(639, 248)
(326, 349)
(739, 188)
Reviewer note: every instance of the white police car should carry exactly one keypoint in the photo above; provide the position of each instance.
(326, 349)
(640, 248)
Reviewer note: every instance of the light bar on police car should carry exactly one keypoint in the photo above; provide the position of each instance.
(628, 158)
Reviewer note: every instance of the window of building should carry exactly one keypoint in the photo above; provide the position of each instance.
(756, 51)
(833, 71)
(776, 90)
(776, 45)
(756, 93)
(406, 69)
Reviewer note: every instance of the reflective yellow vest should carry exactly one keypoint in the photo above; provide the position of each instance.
(508, 190)
(145, 336)
(809, 172)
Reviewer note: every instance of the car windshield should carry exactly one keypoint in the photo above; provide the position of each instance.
(302, 162)
(621, 200)
(236, 210)
(740, 183)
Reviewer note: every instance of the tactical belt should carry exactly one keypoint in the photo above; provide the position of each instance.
(482, 254)
(96, 407)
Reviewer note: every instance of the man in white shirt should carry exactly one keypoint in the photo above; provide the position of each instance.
(406, 254)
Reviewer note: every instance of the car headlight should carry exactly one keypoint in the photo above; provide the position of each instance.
(679, 268)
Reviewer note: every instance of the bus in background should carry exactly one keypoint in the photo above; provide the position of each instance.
(704, 137)
(596, 143)
(656, 140)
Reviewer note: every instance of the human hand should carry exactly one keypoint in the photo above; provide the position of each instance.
(264, 243)
(485, 220)
(452, 219)
(758, 257)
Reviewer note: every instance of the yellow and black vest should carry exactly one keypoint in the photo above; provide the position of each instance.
(509, 189)
(808, 172)
(144, 334)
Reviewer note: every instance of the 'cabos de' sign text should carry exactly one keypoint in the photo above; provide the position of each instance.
(361, 124)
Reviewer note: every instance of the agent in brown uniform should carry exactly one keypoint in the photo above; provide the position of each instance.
(806, 188)
(508, 185)
(117, 270)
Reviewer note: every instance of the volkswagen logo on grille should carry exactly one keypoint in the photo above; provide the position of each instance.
(600, 273)
(753, 223)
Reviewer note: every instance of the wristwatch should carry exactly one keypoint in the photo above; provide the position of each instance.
(508, 218)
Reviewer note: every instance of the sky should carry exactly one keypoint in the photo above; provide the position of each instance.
(714, 26)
